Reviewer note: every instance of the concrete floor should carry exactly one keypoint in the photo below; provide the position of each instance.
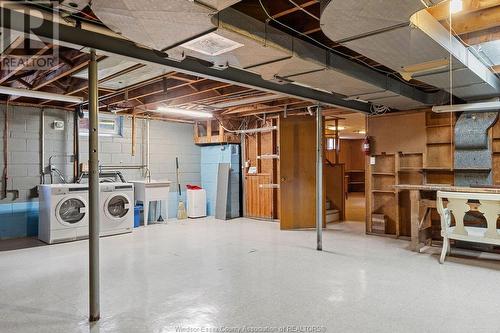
(248, 273)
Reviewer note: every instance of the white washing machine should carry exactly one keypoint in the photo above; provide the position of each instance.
(63, 212)
(117, 208)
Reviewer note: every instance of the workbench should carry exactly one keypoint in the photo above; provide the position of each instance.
(419, 205)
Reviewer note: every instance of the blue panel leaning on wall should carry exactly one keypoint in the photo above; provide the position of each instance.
(211, 156)
(18, 219)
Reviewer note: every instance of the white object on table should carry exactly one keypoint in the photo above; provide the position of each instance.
(196, 203)
(146, 192)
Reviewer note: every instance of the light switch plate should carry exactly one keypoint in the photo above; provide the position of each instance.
(372, 160)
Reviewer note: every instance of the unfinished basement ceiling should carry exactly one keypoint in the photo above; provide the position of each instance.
(381, 30)
(232, 38)
(130, 72)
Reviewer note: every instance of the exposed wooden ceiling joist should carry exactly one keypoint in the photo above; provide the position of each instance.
(294, 9)
(442, 12)
(477, 21)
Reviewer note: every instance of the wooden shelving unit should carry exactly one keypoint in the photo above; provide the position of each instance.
(211, 132)
(495, 146)
(411, 172)
(439, 149)
(411, 168)
(383, 197)
(356, 181)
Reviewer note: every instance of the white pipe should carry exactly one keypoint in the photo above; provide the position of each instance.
(39, 94)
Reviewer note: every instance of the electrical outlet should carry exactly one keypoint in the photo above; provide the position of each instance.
(58, 125)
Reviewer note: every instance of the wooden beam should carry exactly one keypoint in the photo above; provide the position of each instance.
(442, 11)
(60, 73)
(294, 9)
(26, 63)
(477, 21)
(480, 37)
(496, 69)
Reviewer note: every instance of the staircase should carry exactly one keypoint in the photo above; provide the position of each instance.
(332, 215)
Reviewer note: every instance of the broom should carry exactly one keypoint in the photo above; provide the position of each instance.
(181, 208)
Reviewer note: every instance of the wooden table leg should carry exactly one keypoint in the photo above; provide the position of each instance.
(415, 220)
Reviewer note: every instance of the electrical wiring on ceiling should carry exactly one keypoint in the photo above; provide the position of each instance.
(393, 74)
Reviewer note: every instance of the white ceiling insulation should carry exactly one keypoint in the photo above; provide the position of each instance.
(377, 30)
(157, 24)
(239, 41)
(113, 65)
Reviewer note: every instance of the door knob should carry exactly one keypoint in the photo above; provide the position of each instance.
(283, 179)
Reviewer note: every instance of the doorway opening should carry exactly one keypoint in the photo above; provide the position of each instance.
(345, 137)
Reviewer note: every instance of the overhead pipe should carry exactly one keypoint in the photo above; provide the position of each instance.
(42, 146)
(76, 145)
(148, 152)
(94, 297)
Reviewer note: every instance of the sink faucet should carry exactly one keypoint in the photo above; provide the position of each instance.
(147, 174)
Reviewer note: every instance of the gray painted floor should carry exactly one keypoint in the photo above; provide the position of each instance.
(248, 273)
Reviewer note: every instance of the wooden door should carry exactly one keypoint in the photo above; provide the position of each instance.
(297, 172)
(258, 199)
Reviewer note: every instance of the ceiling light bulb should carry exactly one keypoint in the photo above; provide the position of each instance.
(362, 132)
(184, 112)
(332, 128)
(456, 6)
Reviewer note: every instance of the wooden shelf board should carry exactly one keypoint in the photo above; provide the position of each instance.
(383, 174)
(438, 143)
(437, 169)
(410, 169)
(353, 171)
(356, 183)
(384, 191)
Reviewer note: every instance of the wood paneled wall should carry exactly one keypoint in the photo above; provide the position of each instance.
(260, 200)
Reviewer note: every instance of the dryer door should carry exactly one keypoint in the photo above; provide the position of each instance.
(71, 210)
(117, 206)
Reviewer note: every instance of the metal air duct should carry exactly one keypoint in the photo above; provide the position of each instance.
(402, 35)
(229, 38)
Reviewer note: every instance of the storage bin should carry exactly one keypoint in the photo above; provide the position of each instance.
(137, 216)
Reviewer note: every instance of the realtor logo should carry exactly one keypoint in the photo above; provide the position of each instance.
(23, 49)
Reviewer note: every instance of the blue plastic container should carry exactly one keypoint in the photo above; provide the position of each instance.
(137, 216)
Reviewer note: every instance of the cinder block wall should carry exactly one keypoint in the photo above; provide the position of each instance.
(19, 218)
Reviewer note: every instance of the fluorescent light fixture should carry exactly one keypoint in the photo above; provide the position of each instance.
(456, 6)
(478, 107)
(332, 128)
(39, 94)
(184, 112)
